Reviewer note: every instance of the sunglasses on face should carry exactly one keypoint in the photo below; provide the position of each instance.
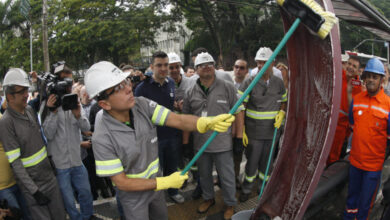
(21, 92)
(239, 67)
(204, 65)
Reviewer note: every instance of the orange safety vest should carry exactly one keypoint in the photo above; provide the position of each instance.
(356, 89)
(370, 121)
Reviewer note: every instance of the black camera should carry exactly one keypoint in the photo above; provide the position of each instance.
(51, 83)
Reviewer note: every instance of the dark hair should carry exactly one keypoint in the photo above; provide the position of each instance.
(188, 67)
(198, 51)
(241, 59)
(356, 58)
(127, 67)
(158, 54)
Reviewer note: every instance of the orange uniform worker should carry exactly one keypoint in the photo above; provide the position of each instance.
(369, 117)
(351, 86)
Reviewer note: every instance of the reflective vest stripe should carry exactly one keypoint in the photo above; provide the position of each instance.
(108, 167)
(284, 97)
(380, 109)
(13, 155)
(261, 176)
(250, 178)
(352, 210)
(360, 105)
(240, 93)
(261, 115)
(160, 115)
(343, 112)
(152, 169)
(239, 109)
(35, 158)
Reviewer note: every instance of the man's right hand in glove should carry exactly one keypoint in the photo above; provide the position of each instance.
(220, 123)
(175, 180)
(40, 198)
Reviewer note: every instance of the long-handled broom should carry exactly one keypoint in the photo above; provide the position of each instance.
(314, 17)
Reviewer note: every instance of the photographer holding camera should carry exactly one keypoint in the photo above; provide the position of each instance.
(62, 127)
(20, 134)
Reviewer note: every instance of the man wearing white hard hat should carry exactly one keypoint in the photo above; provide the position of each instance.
(262, 55)
(265, 111)
(211, 96)
(22, 139)
(126, 145)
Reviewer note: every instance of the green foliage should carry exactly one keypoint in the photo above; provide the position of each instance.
(81, 32)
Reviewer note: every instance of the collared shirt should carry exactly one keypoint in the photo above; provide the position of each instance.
(162, 94)
(62, 131)
(263, 104)
(344, 106)
(24, 147)
(120, 148)
(185, 84)
(219, 74)
(220, 98)
(369, 117)
(275, 71)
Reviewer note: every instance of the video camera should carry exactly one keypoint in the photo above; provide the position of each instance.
(61, 88)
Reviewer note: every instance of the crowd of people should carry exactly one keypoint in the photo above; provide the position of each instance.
(130, 132)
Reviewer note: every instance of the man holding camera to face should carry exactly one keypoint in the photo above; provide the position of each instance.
(62, 129)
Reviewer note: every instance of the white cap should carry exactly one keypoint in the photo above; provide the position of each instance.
(16, 76)
(203, 57)
(173, 58)
(101, 76)
(344, 57)
(263, 54)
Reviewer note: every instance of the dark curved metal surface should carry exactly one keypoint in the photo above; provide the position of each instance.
(314, 100)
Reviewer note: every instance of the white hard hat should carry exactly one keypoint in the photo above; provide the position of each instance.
(344, 57)
(16, 76)
(173, 58)
(101, 76)
(203, 57)
(263, 54)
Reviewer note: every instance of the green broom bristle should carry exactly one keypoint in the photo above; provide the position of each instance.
(329, 17)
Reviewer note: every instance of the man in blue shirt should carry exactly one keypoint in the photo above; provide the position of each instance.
(161, 89)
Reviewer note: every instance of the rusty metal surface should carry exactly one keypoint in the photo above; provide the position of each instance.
(314, 97)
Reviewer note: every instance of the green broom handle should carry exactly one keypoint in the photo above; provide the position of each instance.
(247, 91)
(268, 164)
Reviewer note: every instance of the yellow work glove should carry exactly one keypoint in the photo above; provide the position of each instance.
(175, 180)
(220, 123)
(279, 118)
(244, 138)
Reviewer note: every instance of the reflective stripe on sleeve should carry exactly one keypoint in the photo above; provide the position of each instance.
(160, 115)
(35, 158)
(380, 109)
(261, 176)
(250, 178)
(343, 112)
(284, 97)
(261, 115)
(152, 169)
(108, 167)
(240, 93)
(13, 155)
(239, 109)
(360, 105)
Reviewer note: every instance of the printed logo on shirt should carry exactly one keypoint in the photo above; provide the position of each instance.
(154, 140)
(222, 101)
(152, 104)
(171, 94)
(360, 112)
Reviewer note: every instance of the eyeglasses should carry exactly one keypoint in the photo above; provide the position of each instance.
(120, 86)
(239, 67)
(22, 91)
(204, 65)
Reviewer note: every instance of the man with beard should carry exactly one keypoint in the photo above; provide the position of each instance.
(369, 119)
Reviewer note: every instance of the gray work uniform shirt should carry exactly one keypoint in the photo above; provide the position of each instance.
(120, 148)
(25, 150)
(263, 104)
(185, 84)
(220, 74)
(220, 98)
(62, 131)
